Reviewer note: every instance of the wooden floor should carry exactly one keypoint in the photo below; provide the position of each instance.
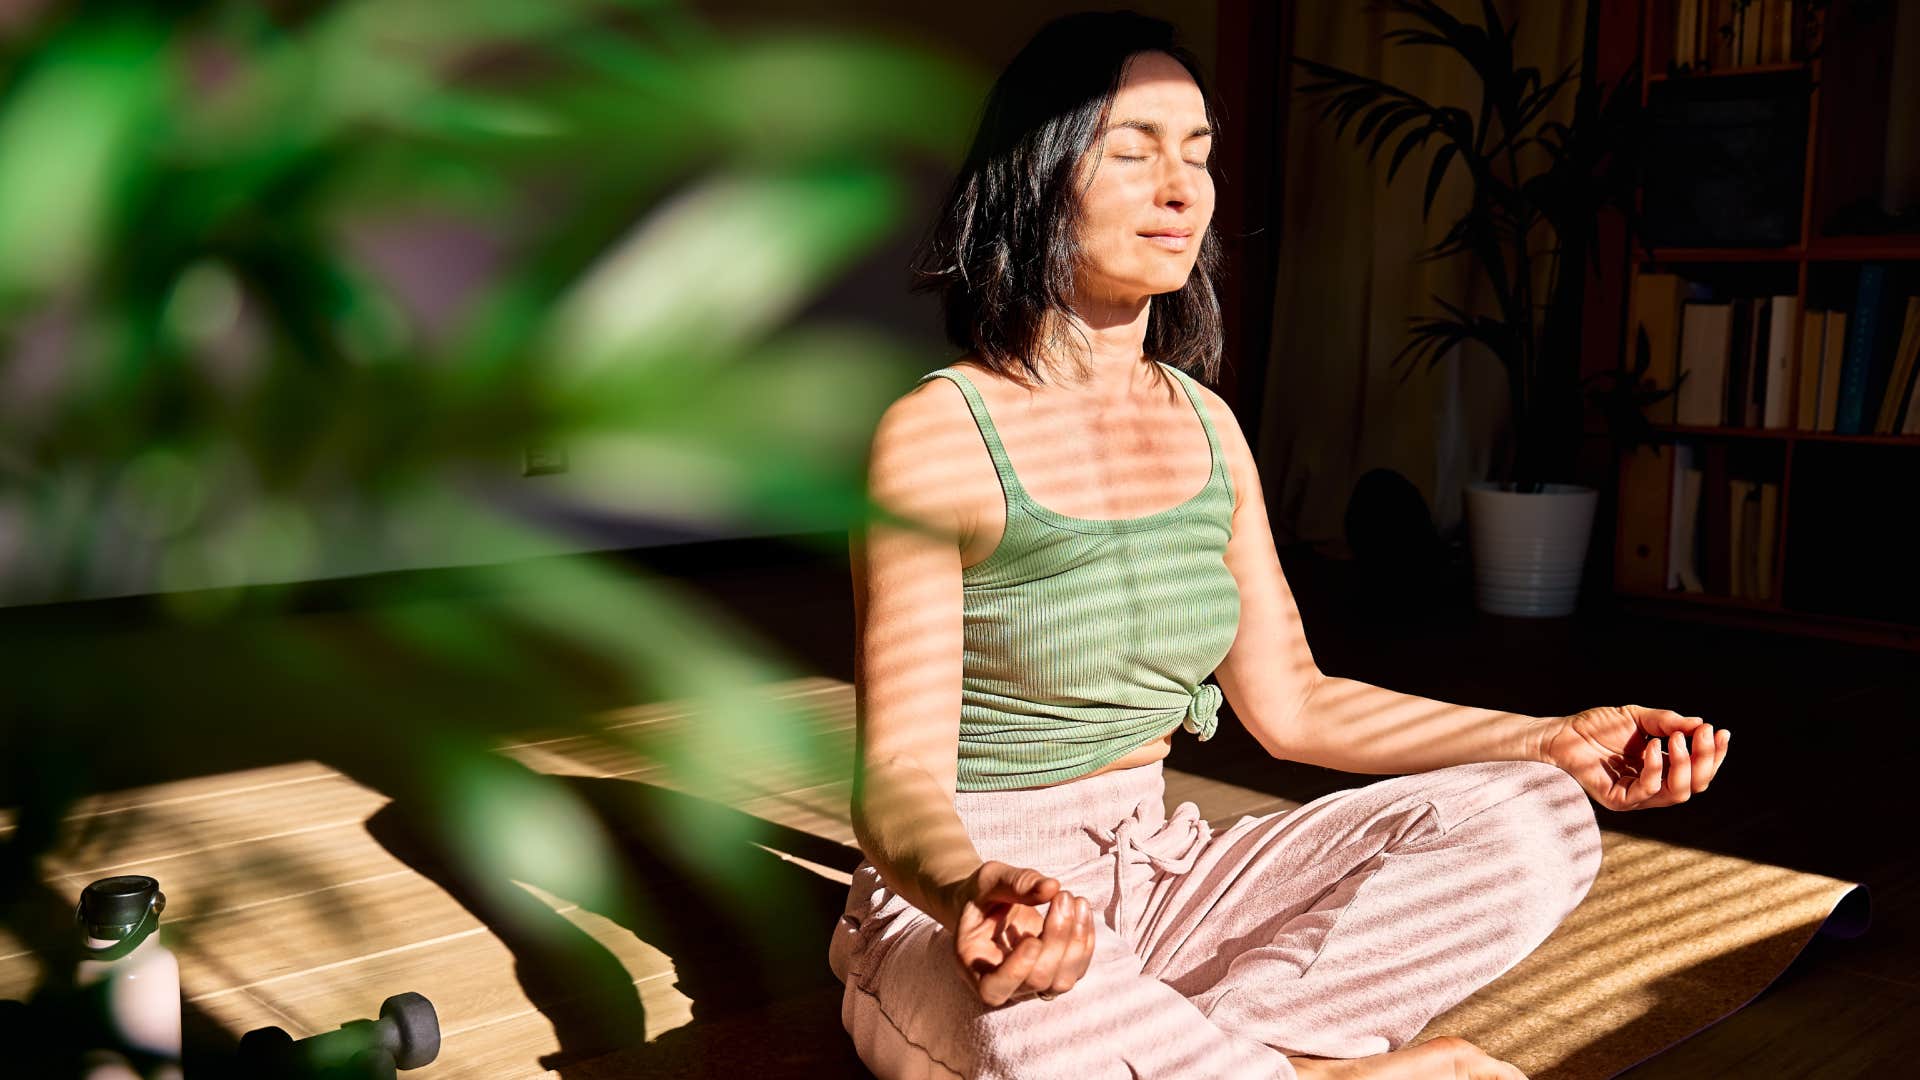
(1825, 734)
(300, 898)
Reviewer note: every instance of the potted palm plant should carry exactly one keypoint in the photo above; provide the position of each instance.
(1538, 183)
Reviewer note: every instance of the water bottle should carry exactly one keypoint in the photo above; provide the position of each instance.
(132, 980)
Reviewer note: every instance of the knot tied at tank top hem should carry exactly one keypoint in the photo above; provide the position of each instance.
(1203, 711)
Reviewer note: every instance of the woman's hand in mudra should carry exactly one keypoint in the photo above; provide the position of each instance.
(1006, 947)
(1630, 757)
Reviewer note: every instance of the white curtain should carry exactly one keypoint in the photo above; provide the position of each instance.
(1347, 283)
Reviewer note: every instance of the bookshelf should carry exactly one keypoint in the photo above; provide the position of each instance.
(1828, 557)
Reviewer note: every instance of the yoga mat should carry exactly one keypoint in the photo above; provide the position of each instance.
(1669, 941)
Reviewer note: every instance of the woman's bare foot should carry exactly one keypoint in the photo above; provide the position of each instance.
(1445, 1058)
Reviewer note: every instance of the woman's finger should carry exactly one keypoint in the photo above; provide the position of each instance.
(998, 985)
(1055, 935)
(1679, 782)
(1658, 721)
(1080, 953)
(969, 932)
(1704, 754)
(974, 955)
(977, 947)
(1020, 886)
(1648, 783)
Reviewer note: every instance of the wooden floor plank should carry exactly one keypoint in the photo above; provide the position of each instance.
(197, 789)
(20, 971)
(270, 868)
(468, 975)
(198, 827)
(726, 769)
(1221, 802)
(821, 810)
(286, 937)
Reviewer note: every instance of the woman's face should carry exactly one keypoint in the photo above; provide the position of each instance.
(1151, 197)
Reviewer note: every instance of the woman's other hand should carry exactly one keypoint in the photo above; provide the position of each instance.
(1630, 757)
(1006, 946)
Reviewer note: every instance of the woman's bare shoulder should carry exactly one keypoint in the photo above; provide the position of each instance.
(927, 458)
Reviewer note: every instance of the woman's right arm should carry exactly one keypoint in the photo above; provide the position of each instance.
(907, 658)
(909, 623)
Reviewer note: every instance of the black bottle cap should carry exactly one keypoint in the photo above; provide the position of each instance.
(112, 908)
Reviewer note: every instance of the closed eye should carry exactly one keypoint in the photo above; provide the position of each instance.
(1124, 157)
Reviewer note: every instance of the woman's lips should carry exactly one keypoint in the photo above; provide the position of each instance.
(1169, 243)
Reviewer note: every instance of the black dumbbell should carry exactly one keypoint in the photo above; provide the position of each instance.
(406, 1036)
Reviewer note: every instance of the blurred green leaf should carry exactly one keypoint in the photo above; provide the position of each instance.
(230, 363)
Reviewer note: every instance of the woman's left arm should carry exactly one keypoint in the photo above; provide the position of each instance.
(1269, 677)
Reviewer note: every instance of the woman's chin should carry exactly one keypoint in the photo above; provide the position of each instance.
(1142, 288)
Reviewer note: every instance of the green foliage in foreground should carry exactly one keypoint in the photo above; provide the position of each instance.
(213, 378)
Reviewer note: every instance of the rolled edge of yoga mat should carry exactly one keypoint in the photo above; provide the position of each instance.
(1851, 913)
(1851, 916)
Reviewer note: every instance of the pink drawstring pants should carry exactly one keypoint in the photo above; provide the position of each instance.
(1336, 929)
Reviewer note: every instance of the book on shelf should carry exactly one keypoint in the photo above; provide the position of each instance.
(1871, 396)
(1809, 29)
(1833, 358)
(1738, 356)
(1736, 33)
(1733, 408)
(1782, 319)
(1721, 529)
(1898, 396)
(1755, 553)
(1686, 33)
(1740, 492)
(1654, 311)
(1752, 544)
(1714, 531)
(1813, 335)
(1861, 327)
(1683, 559)
(1910, 421)
(1706, 333)
(1780, 20)
(1640, 561)
(1717, 33)
(1769, 530)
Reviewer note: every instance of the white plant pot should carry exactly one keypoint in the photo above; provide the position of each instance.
(1529, 550)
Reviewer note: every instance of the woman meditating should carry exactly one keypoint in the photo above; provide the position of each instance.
(1077, 539)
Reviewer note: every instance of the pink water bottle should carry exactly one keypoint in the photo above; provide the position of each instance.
(134, 980)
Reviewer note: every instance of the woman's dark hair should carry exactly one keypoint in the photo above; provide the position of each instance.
(1003, 251)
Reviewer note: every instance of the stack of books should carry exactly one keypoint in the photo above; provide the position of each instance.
(1720, 34)
(1722, 529)
(1858, 367)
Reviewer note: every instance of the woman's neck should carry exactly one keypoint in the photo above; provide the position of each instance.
(1102, 356)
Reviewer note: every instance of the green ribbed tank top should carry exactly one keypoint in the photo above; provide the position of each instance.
(1088, 638)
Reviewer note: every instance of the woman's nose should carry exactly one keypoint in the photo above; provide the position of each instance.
(1181, 185)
